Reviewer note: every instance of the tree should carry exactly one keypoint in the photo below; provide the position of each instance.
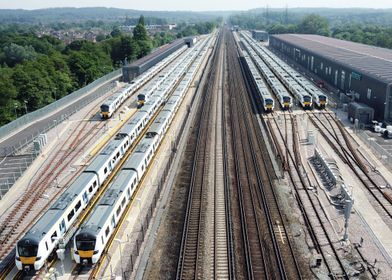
(314, 24)
(15, 54)
(116, 32)
(140, 33)
(7, 96)
(141, 20)
(145, 47)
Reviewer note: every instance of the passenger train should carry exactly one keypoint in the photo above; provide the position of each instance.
(110, 105)
(266, 98)
(283, 96)
(40, 242)
(93, 236)
(303, 97)
(317, 97)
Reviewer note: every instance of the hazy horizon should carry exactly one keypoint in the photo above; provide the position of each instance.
(201, 5)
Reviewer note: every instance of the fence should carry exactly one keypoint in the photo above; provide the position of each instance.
(377, 148)
(102, 87)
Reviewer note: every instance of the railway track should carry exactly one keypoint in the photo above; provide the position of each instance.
(190, 264)
(222, 261)
(313, 214)
(335, 135)
(14, 225)
(267, 248)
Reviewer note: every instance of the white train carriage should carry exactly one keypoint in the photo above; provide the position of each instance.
(319, 99)
(151, 106)
(267, 99)
(104, 163)
(93, 235)
(160, 125)
(111, 105)
(142, 156)
(172, 104)
(134, 127)
(276, 86)
(40, 242)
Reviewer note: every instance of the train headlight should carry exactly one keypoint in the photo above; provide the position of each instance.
(38, 258)
(76, 252)
(95, 252)
(17, 258)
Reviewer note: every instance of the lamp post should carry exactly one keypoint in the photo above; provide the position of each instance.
(25, 105)
(16, 107)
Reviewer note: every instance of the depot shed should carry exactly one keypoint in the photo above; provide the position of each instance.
(362, 70)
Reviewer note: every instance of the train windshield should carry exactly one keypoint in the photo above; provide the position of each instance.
(322, 97)
(269, 102)
(85, 245)
(307, 98)
(104, 108)
(141, 97)
(286, 99)
(27, 250)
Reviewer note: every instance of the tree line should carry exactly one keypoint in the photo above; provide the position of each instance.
(35, 71)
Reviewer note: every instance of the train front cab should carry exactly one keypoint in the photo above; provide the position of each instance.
(286, 102)
(307, 102)
(322, 101)
(27, 255)
(105, 111)
(141, 99)
(269, 105)
(84, 249)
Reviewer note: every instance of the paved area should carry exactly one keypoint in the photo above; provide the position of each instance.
(11, 168)
(365, 221)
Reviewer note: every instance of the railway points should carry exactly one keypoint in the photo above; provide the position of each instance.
(228, 186)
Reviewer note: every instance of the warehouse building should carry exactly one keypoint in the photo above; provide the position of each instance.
(140, 66)
(260, 35)
(362, 70)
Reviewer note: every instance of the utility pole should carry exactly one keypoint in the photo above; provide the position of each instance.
(286, 15)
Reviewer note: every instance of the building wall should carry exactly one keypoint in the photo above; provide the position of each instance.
(365, 89)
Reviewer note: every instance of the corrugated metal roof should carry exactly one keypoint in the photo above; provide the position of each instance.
(374, 61)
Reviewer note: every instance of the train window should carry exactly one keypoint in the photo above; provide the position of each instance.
(46, 244)
(78, 205)
(85, 198)
(105, 170)
(118, 154)
(102, 240)
(134, 181)
(54, 236)
(113, 222)
(123, 202)
(90, 189)
(129, 192)
(95, 184)
(118, 210)
(70, 215)
(62, 227)
(107, 231)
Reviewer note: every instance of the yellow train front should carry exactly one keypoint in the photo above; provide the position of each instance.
(141, 99)
(84, 248)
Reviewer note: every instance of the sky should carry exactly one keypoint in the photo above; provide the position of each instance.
(199, 5)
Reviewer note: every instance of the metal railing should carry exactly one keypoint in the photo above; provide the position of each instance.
(24, 120)
(371, 142)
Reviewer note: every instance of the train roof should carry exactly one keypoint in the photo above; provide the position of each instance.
(105, 205)
(97, 163)
(54, 213)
